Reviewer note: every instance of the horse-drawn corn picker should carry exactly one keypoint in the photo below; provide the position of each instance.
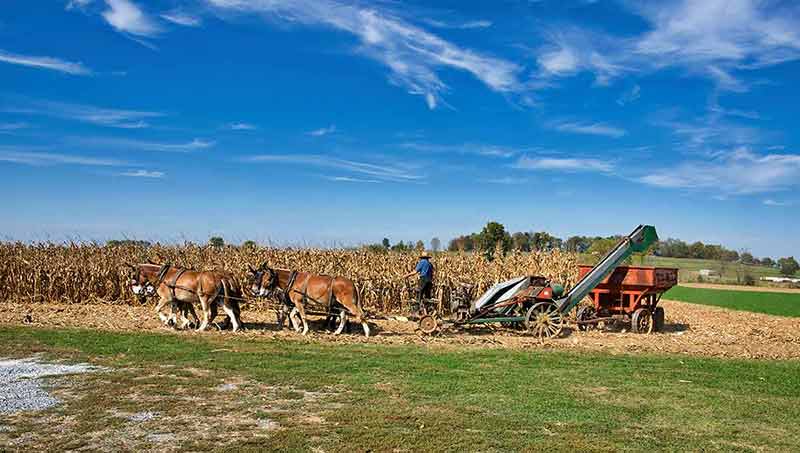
(540, 305)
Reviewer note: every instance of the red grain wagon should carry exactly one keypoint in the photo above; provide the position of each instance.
(629, 294)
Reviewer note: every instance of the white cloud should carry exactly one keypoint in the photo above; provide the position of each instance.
(118, 118)
(464, 148)
(143, 174)
(507, 180)
(587, 128)
(412, 54)
(461, 25)
(568, 164)
(717, 39)
(382, 172)
(50, 63)
(771, 202)
(135, 145)
(182, 18)
(351, 179)
(127, 17)
(78, 4)
(571, 50)
(323, 131)
(46, 158)
(630, 96)
(242, 127)
(738, 172)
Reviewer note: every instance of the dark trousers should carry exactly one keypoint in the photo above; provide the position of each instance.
(425, 289)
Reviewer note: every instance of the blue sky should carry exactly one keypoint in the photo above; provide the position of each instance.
(323, 122)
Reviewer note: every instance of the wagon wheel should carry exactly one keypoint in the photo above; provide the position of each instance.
(585, 313)
(544, 319)
(642, 321)
(428, 324)
(342, 321)
(658, 319)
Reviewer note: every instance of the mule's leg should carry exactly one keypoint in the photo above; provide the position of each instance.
(206, 306)
(358, 315)
(302, 312)
(231, 312)
(294, 317)
(160, 306)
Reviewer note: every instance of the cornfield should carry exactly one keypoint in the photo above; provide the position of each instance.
(88, 273)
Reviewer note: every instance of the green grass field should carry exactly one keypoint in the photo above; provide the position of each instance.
(403, 398)
(781, 304)
(731, 272)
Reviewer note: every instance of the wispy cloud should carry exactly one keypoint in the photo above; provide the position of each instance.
(738, 172)
(143, 174)
(717, 39)
(242, 127)
(507, 180)
(630, 96)
(134, 145)
(587, 128)
(323, 131)
(382, 172)
(119, 118)
(46, 158)
(53, 64)
(459, 25)
(11, 127)
(351, 179)
(413, 55)
(464, 148)
(771, 202)
(127, 17)
(182, 18)
(567, 164)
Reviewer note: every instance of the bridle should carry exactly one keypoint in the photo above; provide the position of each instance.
(272, 283)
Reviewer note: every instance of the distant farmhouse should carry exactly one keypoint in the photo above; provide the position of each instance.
(781, 279)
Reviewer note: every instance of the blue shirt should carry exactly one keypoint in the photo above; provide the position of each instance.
(425, 269)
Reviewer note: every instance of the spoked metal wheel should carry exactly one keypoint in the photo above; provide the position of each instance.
(428, 324)
(585, 313)
(544, 320)
(341, 321)
(642, 321)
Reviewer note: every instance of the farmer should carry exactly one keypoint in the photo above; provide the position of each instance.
(425, 270)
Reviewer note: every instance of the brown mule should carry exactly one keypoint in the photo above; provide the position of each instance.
(299, 287)
(181, 286)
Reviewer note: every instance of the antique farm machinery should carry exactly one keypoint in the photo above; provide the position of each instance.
(629, 295)
(534, 302)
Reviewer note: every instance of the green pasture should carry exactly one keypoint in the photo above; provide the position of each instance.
(771, 303)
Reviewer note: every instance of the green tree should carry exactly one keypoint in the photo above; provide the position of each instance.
(746, 258)
(767, 261)
(249, 244)
(436, 244)
(216, 241)
(521, 241)
(494, 233)
(419, 246)
(386, 244)
(788, 265)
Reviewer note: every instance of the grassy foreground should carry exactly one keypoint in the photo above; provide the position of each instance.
(781, 304)
(384, 398)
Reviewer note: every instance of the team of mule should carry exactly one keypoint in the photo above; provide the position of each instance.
(299, 294)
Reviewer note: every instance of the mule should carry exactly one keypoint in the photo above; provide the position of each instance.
(180, 287)
(299, 287)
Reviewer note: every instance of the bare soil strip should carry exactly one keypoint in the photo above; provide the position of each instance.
(690, 329)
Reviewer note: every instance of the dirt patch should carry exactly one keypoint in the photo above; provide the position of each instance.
(758, 289)
(690, 329)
